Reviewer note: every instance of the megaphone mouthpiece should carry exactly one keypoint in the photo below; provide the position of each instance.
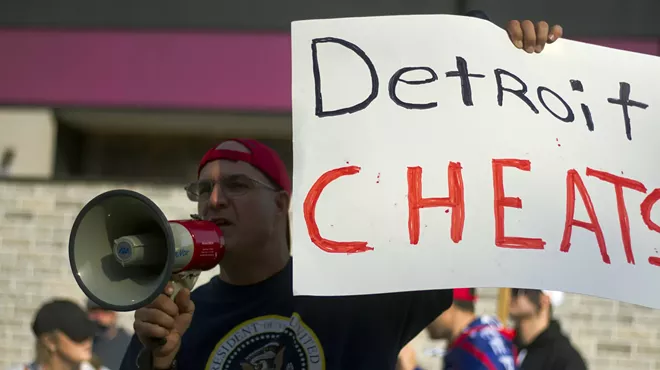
(139, 250)
(198, 245)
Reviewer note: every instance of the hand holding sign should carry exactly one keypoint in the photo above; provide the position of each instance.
(530, 37)
(428, 159)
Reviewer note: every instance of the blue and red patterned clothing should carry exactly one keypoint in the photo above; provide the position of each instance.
(485, 344)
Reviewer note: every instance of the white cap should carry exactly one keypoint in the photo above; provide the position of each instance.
(556, 298)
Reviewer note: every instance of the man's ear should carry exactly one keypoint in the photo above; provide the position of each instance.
(49, 341)
(544, 299)
(282, 201)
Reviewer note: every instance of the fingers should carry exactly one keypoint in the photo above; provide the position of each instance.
(529, 36)
(149, 330)
(156, 317)
(532, 37)
(555, 33)
(172, 344)
(156, 320)
(515, 32)
(165, 304)
(541, 36)
(169, 289)
(183, 301)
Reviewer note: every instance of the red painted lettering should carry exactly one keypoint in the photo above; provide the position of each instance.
(309, 210)
(455, 201)
(502, 201)
(646, 208)
(573, 180)
(619, 183)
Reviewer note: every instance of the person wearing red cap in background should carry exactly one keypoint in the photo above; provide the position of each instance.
(542, 344)
(407, 359)
(475, 342)
(248, 317)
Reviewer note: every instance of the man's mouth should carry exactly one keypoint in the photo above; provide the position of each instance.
(221, 222)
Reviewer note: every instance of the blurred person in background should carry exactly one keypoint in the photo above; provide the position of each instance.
(474, 342)
(63, 338)
(110, 341)
(6, 161)
(407, 359)
(539, 338)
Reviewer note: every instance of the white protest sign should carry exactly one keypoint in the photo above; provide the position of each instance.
(431, 153)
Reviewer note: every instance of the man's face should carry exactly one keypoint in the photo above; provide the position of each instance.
(103, 318)
(444, 323)
(72, 351)
(521, 305)
(243, 203)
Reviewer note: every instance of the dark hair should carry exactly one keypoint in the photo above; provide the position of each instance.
(467, 306)
(534, 296)
(288, 225)
(288, 235)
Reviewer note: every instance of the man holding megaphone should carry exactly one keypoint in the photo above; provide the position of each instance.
(247, 317)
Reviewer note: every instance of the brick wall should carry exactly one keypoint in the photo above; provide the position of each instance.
(35, 221)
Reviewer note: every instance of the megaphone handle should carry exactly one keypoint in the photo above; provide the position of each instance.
(183, 280)
(179, 281)
(176, 288)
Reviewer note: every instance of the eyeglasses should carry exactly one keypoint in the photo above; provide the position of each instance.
(231, 186)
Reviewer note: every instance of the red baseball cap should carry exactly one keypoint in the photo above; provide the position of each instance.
(465, 294)
(261, 156)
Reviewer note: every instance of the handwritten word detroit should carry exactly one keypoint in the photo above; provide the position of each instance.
(503, 78)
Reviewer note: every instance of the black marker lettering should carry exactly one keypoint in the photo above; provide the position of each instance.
(519, 93)
(317, 78)
(576, 85)
(625, 102)
(462, 72)
(570, 117)
(396, 78)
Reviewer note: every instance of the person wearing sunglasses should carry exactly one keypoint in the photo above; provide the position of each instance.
(248, 317)
(542, 344)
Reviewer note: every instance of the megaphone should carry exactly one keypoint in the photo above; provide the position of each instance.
(123, 251)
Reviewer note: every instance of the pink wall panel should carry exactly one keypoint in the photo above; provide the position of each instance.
(226, 71)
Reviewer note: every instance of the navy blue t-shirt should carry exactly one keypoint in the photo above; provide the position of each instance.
(264, 326)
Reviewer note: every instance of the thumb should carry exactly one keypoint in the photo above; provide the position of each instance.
(556, 32)
(184, 302)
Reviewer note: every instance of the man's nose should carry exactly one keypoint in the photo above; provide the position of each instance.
(218, 198)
